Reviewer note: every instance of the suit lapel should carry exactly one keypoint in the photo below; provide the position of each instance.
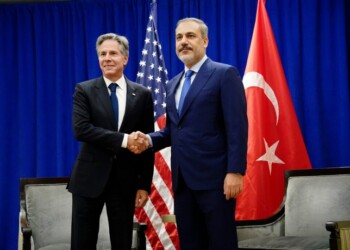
(197, 85)
(103, 97)
(171, 105)
(130, 104)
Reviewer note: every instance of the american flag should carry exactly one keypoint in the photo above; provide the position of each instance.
(153, 75)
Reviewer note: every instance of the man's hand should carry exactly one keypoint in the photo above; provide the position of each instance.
(141, 198)
(137, 142)
(233, 185)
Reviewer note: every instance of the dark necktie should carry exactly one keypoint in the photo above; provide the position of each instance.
(114, 100)
(185, 88)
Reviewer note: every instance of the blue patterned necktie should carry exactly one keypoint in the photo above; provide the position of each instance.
(185, 88)
(114, 100)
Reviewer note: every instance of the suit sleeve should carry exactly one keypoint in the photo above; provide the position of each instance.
(161, 138)
(236, 122)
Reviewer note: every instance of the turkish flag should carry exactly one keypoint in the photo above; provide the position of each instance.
(275, 142)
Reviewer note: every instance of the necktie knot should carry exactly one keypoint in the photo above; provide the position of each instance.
(113, 87)
(189, 73)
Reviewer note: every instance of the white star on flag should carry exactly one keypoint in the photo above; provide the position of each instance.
(142, 63)
(270, 155)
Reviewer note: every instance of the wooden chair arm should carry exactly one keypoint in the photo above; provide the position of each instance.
(25, 230)
(335, 227)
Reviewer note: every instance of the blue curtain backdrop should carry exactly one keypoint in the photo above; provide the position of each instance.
(46, 48)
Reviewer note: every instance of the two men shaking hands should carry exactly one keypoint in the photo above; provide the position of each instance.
(138, 142)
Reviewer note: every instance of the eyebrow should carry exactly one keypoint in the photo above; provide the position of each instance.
(187, 33)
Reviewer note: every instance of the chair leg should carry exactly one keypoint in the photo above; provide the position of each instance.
(334, 238)
(141, 237)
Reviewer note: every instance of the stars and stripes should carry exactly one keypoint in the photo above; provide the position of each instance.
(152, 74)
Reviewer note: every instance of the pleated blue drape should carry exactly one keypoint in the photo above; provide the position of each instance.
(46, 48)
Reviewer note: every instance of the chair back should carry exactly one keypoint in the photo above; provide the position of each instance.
(48, 206)
(314, 199)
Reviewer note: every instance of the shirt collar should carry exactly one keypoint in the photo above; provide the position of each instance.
(121, 82)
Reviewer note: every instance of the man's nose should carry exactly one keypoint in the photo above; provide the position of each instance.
(184, 40)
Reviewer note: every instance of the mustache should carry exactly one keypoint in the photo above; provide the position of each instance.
(185, 47)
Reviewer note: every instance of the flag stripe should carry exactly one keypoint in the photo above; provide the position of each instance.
(152, 236)
(161, 209)
(164, 171)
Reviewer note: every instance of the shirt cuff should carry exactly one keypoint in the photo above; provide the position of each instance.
(125, 141)
(150, 141)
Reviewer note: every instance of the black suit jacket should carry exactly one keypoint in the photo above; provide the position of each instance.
(94, 125)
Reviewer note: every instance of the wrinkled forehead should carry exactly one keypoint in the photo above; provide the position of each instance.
(109, 45)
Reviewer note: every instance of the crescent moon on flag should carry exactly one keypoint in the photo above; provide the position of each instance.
(254, 79)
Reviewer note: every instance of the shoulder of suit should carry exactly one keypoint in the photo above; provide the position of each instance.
(221, 66)
(175, 78)
(91, 81)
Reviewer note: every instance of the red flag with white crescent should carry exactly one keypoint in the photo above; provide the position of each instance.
(275, 142)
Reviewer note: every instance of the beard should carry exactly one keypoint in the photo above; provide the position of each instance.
(187, 59)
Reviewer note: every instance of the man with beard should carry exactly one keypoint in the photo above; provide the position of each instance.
(207, 131)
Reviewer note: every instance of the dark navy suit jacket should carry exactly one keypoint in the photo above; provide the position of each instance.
(209, 138)
(95, 126)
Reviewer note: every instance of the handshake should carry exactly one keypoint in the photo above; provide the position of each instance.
(138, 142)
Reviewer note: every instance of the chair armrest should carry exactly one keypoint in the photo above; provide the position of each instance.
(273, 226)
(340, 234)
(26, 231)
(141, 238)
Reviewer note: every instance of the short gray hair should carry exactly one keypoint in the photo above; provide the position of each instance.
(202, 25)
(122, 40)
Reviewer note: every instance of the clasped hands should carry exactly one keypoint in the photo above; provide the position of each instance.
(138, 142)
